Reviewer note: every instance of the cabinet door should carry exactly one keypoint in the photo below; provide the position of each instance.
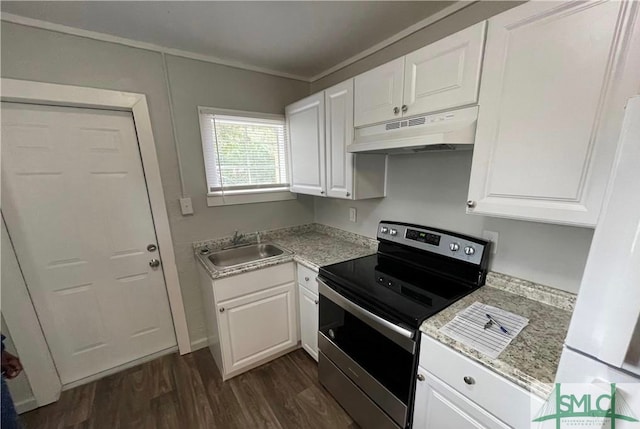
(555, 81)
(308, 320)
(378, 92)
(339, 134)
(305, 120)
(256, 326)
(439, 406)
(444, 74)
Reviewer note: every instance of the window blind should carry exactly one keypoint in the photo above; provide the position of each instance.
(244, 153)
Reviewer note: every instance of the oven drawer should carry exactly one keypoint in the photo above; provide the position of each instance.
(307, 278)
(482, 386)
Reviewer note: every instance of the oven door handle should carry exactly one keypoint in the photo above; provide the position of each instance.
(395, 333)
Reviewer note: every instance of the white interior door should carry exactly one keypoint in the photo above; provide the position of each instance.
(75, 202)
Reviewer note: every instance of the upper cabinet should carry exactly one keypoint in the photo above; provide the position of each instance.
(320, 129)
(305, 121)
(555, 80)
(442, 75)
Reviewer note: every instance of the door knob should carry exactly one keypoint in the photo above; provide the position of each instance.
(154, 263)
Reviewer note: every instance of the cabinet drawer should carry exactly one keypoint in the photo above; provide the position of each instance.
(253, 281)
(307, 278)
(488, 389)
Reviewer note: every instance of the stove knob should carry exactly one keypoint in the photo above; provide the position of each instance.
(454, 247)
(393, 232)
(384, 230)
(469, 250)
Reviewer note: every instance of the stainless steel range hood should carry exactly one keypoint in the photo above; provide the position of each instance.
(451, 130)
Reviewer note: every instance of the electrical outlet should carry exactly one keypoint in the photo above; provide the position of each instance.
(186, 206)
(491, 236)
(352, 214)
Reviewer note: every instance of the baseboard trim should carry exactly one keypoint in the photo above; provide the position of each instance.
(200, 343)
(119, 368)
(26, 405)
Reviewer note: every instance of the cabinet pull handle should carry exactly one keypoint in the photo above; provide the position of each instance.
(396, 110)
(221, 310)
(469, 380)
(404, 108)
(420, 377)
(306, 279)
(471, 204)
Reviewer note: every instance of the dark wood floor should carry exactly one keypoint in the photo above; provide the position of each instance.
(187, 392)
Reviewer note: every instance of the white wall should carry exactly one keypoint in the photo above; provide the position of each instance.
(431, 189)
(46, 56)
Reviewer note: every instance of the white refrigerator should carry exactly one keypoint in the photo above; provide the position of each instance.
(603, 342)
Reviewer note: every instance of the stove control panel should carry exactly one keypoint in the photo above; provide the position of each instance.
(441, 242)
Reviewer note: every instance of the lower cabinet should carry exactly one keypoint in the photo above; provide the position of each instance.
(439, 406)
(308, 306)
(251, 317)
(455, 392)
(308, 302)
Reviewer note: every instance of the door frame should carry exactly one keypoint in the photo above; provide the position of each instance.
(29, 92)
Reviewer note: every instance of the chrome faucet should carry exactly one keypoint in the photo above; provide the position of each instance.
(237, 238)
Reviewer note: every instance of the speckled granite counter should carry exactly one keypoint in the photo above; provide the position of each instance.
(531, 360)
(312, 245)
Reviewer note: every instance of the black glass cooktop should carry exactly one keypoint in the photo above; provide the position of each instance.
(398, 291)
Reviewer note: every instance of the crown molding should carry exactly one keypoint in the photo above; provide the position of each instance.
(59, 28)
(449, 10)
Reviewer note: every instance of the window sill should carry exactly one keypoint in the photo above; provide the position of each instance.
(248, 197)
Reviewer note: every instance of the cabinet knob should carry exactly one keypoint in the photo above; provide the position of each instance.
(321, 192)
(420, 377)
(306, 279)
(471, 204)
(317, 302)
(396, 110)
(404, 108)
(348, 194)
(469, 380)
(221, 310)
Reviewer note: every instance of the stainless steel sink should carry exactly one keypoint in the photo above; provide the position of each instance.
(227, 258)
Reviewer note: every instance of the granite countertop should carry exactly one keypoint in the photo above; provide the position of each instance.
(531, 359)
(312, 245)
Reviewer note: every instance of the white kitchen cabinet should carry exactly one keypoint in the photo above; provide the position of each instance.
(251, 318)
(378, 93)
(452, 391)
(306, 124)
(439, 406)
(555, 80)
(442, 75)
(308, 305)
(308, 309)
(320, 163)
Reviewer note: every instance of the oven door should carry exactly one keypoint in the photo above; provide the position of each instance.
(375, 354)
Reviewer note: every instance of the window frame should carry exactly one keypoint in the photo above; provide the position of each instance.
(244, 196)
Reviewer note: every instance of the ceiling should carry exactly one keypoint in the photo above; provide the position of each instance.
(296, 38)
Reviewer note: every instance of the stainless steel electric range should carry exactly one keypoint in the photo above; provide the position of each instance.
(371, 309)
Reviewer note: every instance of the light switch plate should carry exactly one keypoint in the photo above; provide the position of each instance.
(352, 214)
(186, 206)
(491, 236)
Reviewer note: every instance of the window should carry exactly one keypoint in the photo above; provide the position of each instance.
(244, 153)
